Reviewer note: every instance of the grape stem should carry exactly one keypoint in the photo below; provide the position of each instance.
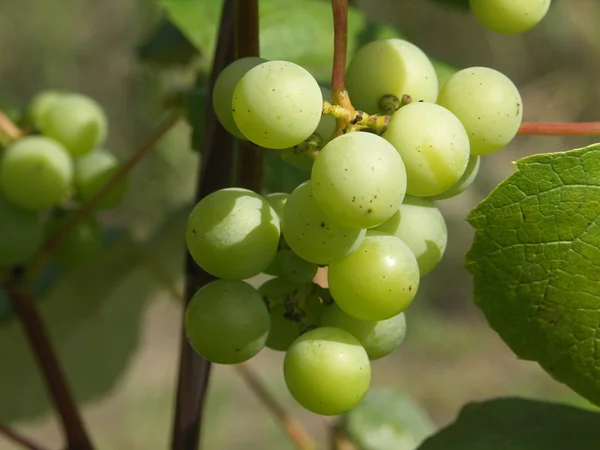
(35, 330)
(356, 120)
(17, 438)
(9, 129)
(340, 50)
(250, 171)
(88, 208)
(292, 427)
(339, 441)
(560, 128)
(214, 173)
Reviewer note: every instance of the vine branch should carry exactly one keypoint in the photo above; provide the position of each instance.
(339, 441)
(214, 173)
(560, 129)
(9, 129)
(57, 238)
(250, 171)
(340, 50)
(293, 428)
(72, 425)
(17, 438)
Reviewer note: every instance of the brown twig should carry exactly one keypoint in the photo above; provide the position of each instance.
(88, 208)
(251, 158)
(9, 129)
(293, 428)
(214, 173)
(560, 129)
(339, 441)
(73, 428)
(17, 438)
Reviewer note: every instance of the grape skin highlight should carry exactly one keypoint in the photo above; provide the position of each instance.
(433, 145)
(510, 16)
(35, 173)
(421, 226)
(233, 234)
(378, 338)
(227, 322)
(311, 234)
(359, 180)
(390, 67)
(223, 91)
(277, 104)
(378, 281)
(21, 234)
(487, 103)
(327, 371)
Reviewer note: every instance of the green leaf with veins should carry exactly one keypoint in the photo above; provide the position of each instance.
(518, 424)
(535, 262)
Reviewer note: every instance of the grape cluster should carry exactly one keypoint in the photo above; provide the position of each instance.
(46, 175)
(366, 213)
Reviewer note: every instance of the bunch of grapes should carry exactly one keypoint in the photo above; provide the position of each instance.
(365, 216)
(45, 177)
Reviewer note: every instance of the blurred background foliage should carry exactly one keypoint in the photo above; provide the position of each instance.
(116, 321)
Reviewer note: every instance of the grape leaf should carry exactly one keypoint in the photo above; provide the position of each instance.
(93, 318)
(535, 262)
(300, 31)
(385, 420)
(518, 424)
(167, 46)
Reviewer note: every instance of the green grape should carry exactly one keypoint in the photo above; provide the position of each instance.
(21, 234)
(421, 226)
(283, 332)
(35, 173)
(227, 322)
(277, 201)
(77, 122)
(327, 124)
(510, 16)
(93, 171)
(296, 269)
(277, 291)
(276, 266)
(40, 105)
(296, 158)
(277, 104)
(487, 103)
(223, 91)
(378, 338)
(311, 234)
(81, 245)
(465, 181)
(433, 144)
(359, 180)
(314, 309)
(327, 371)
(378, 281)
(390, 67)
(233, 233)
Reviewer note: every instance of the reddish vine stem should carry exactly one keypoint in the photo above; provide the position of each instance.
(560, 129)
(292, 427)
(214, 173)
(340, 50)
(56, 239)
(17, 438)
(251, 158)
(35, 330)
